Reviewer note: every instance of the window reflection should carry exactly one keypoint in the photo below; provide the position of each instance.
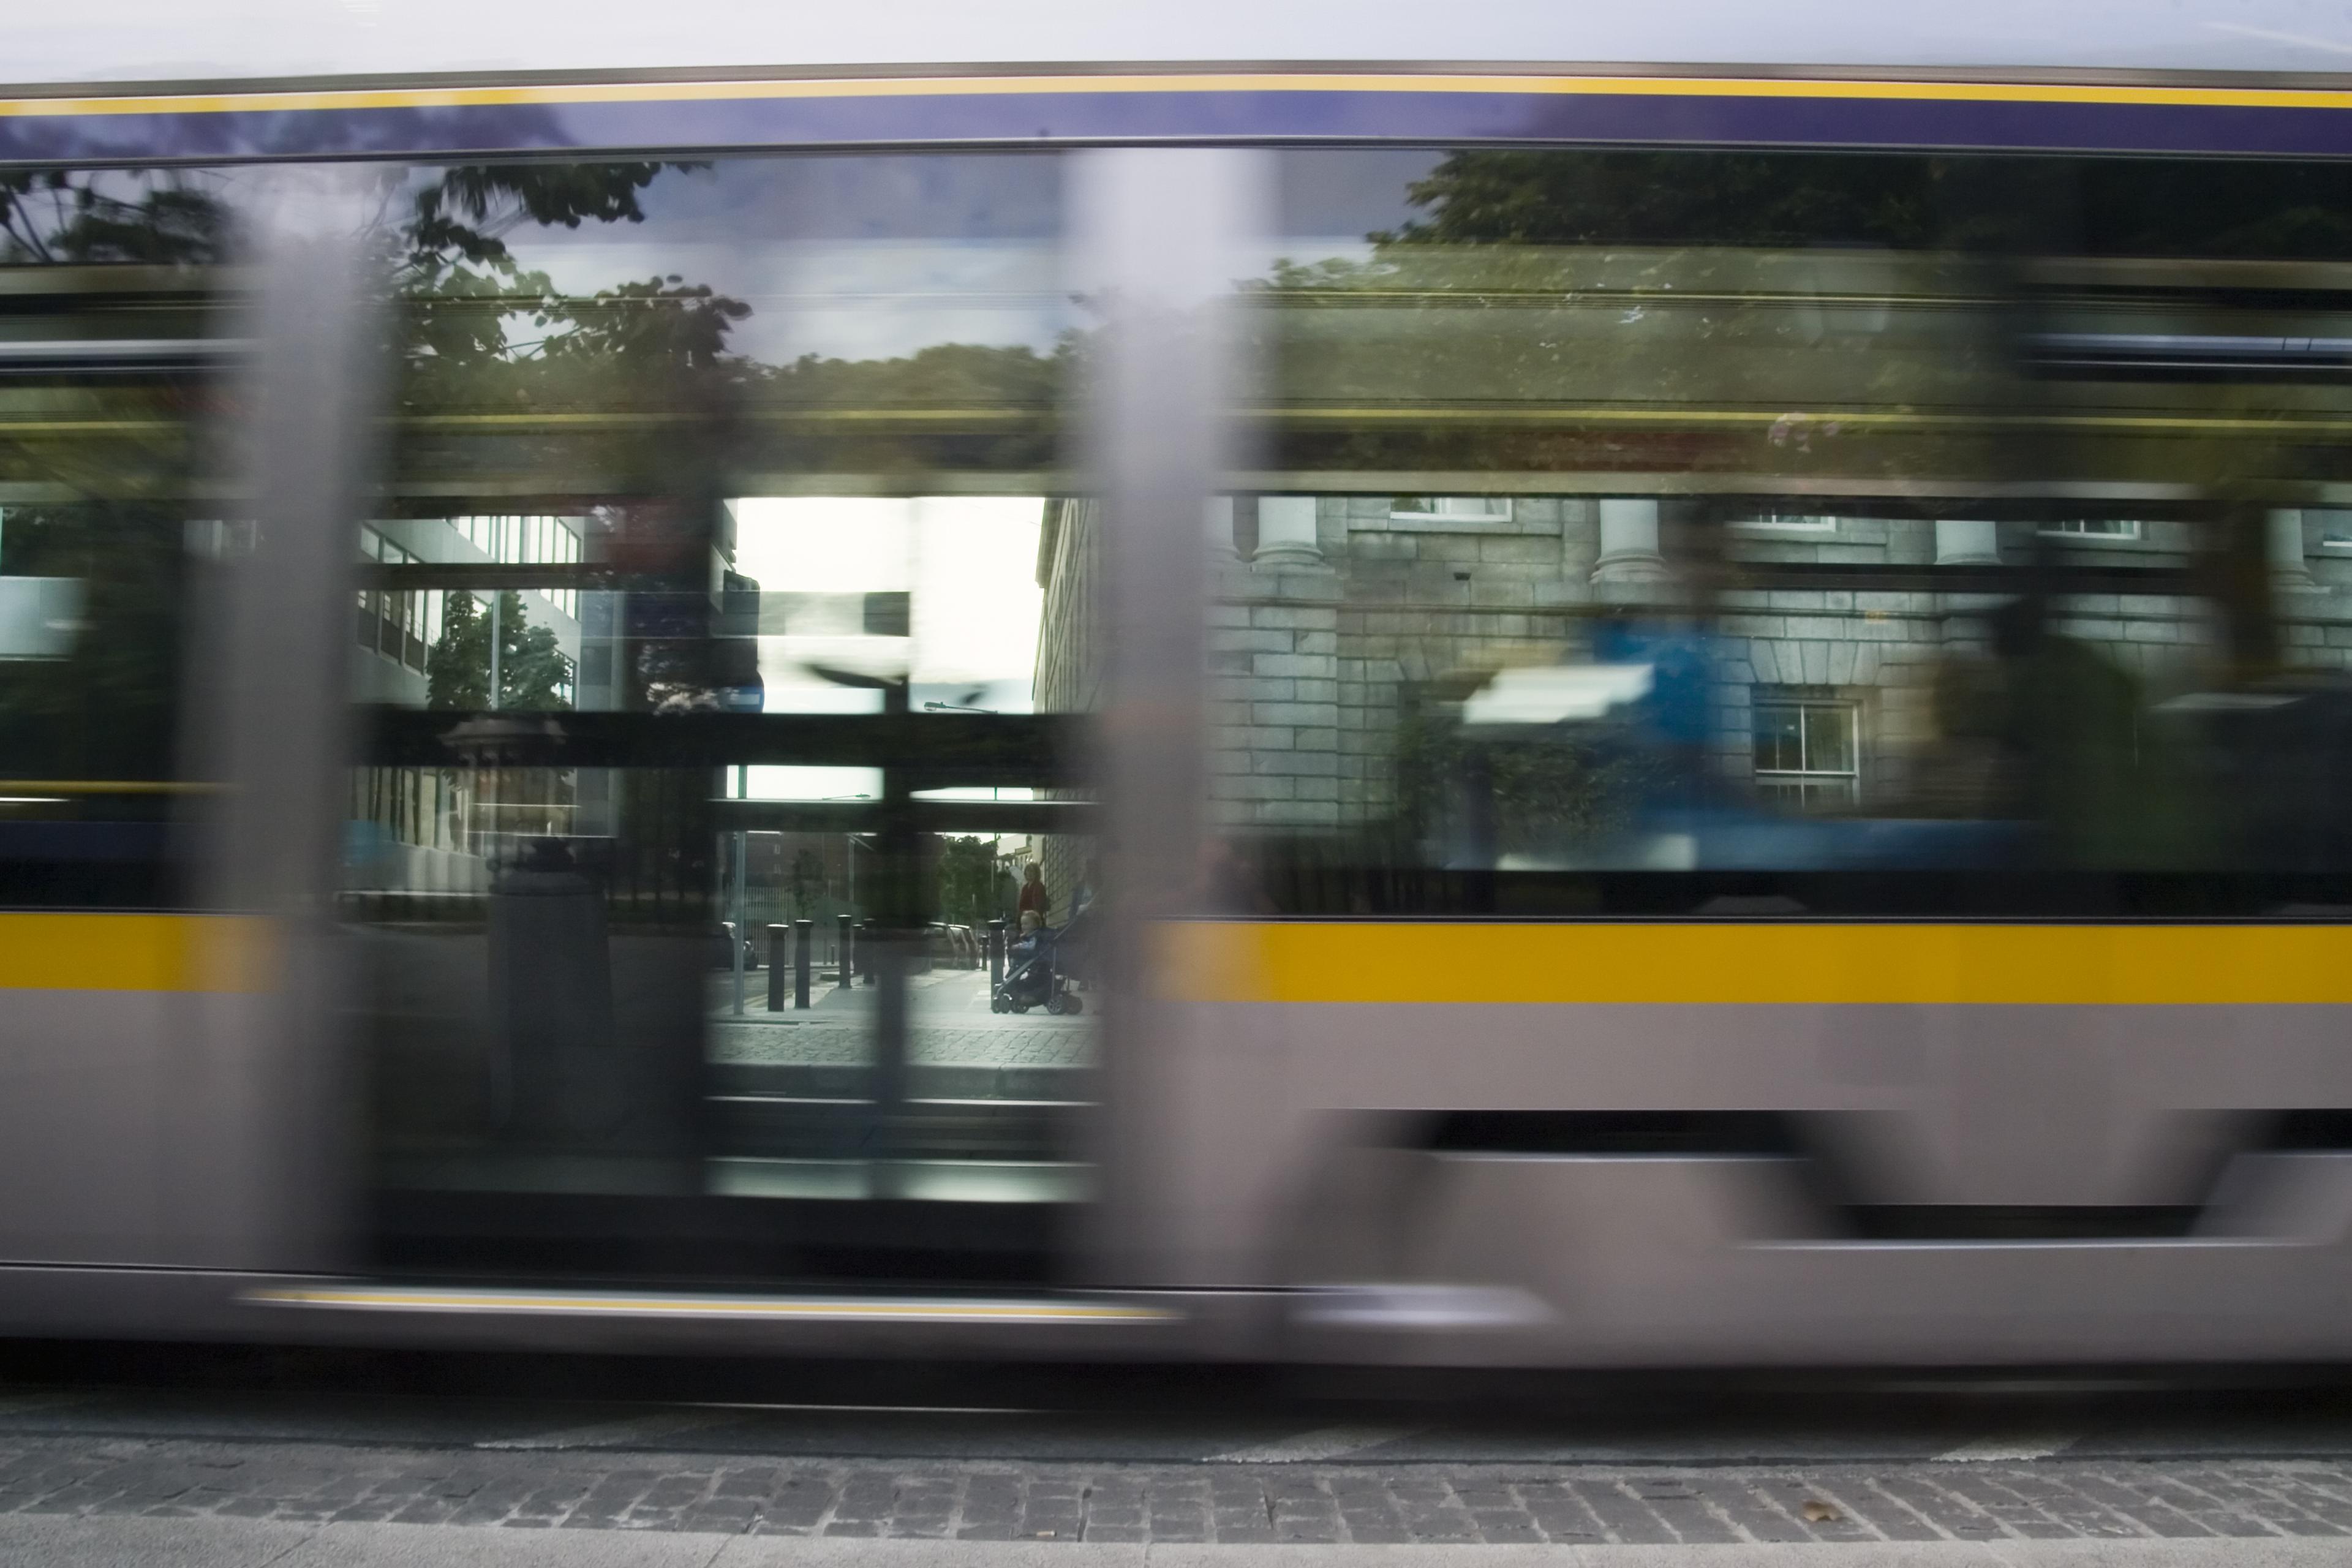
(120, 286)
(709, 735)
(1646, 530)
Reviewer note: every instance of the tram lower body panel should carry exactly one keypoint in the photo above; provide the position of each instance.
(1667, 1184)
(1445, 1182)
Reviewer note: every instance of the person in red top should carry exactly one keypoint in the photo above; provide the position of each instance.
(1035, 899)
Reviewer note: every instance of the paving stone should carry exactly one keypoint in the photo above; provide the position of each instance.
(424, 1510)
(2015, 1515)
(1624, 1517)
(1688, 1518)
(727, 1515)
(1110, 1502)
(1956, 1516)
(1752, 1517)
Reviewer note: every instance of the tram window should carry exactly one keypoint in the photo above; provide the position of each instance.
(729, 492)
(1840, 562)
(116, 282)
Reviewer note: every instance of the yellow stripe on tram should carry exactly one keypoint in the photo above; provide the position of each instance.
(816, 1307)
(1756, 964)
(361, 99)
(218, 953)
(38, 788)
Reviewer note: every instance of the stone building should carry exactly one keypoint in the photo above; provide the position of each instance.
(1069, 670)
(1334, 616)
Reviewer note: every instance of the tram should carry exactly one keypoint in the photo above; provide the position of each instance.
(1639, 692)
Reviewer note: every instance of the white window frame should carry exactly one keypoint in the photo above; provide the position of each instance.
(1788, 522)
(2111, 529)
(532, 539)
(1800, 776)
(1458, 509)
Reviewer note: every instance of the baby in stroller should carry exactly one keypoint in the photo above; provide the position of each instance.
(1040, 968)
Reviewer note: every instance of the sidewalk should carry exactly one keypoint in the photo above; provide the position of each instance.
(950, 1025)
(50, 1541)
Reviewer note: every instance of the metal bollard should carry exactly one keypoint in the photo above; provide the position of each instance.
(807, 934)
(776, 936)
(847, 973)
(996, 952)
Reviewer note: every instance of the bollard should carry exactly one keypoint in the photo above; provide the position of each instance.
(805, 948)
(996, 952)
(866, 951)
(841, 925)
(776, 937)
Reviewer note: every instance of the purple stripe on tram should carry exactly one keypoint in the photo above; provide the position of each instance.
(1001, 118)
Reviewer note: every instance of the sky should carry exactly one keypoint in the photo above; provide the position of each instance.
(969, 563)
(867, 256)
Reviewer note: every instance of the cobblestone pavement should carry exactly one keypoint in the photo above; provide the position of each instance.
(816, 1044)
(1471, 1505)
(951, 1026)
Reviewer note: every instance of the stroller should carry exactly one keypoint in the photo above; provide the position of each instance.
(1043, 964)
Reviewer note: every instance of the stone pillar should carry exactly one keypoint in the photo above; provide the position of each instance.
(1966, 541)
(2282, 543)
(1286, 532)
(1217, 519)
(1628, 542)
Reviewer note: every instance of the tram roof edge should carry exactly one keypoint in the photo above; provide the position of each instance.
(159, 43)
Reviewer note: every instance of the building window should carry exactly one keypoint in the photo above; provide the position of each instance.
(1808, 753)
(530, 540)
(2093, 528)
(1460, 509)
(370, 550)
(1789, 522)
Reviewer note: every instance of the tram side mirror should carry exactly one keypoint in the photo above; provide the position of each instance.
(40, 618)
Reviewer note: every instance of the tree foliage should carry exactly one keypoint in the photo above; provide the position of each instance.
(85, 217)
(532, 671)
(969, 880)
(805, 879)
(2273, 210)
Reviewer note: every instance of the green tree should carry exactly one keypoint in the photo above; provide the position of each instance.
(805, 879)
(81, 217)
(1494, 197)
(533, 674)
(967, 880)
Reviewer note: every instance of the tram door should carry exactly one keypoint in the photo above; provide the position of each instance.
(719, 857)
